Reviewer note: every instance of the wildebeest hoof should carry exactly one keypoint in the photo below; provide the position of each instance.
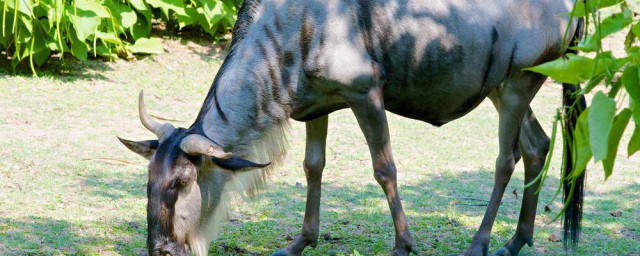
(282, 252)
(405, 250)
(478, 250)
(503, 252)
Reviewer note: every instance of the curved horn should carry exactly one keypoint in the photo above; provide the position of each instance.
(196, 144)
(160, 130)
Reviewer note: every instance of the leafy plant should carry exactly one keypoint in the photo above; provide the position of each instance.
(614, 81)
(34, 29)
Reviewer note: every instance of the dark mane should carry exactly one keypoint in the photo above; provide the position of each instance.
(246, 16)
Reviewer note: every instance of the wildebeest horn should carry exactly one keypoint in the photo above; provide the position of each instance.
(196, 144)
(160, 130)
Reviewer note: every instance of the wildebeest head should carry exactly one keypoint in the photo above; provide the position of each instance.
(178, 157)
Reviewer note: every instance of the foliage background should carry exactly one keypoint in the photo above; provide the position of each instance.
(611, 77)
(33, 30)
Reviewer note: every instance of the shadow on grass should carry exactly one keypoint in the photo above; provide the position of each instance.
(441, 210)
(68, 70)
(114, 189)
(45, 236)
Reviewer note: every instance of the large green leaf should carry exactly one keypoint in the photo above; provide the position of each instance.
(165, 5)
(138, 5)
(619, 125)
(609, 25)
(631, 80)
(142, 27)
(634, 55)
(125, 16)
(213, 12)
(581, 145)
(606, 65)
(572, 69)
(85, 22)
(108, 37)
(192, 17)
(40, 50)
(24, 6)
(585, 7)
(105, 51)
(79, 48)
(603, 110)
(634, 143)
(147, 45)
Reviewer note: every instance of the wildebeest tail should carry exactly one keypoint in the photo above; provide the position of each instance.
(573, 104)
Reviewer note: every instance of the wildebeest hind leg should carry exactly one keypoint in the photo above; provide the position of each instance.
(512, 102)
(313, 165)
(369, 112)
(534, 145)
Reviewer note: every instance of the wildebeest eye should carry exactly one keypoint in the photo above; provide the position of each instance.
(174, 184)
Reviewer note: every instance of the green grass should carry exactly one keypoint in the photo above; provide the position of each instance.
(60, 195)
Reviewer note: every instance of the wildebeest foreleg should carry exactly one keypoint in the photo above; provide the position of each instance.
(373, 121)
(512, 101)
(534, 144)
(313, 165)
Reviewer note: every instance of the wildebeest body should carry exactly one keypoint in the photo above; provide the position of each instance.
(428, 60)
(322, 50)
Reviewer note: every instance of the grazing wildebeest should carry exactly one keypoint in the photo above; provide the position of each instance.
(428, 60)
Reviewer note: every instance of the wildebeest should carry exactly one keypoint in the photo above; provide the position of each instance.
(433, 61)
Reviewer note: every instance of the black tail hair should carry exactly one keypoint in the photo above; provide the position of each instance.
(573, 104)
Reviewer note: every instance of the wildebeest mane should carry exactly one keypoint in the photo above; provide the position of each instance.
(246, 16)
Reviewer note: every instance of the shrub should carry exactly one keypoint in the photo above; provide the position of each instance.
(34, 29)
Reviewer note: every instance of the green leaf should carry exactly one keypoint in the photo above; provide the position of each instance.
(608, 26)
(147, 45)
(631, 80)
(40, 49)
(79, 49)
(192, 17)
(635, 28)
(634, 55)
(105, 52)
(634, 143)
(24, 6)
(573, 69)
(606, 67)
(165, 5)
(615, 88)
(85, 22)
(94, 6)
(212, 12)
(108, 37)
(581, 145)
(41, 56)
(619, 125)
(125, 16)
(138, 5)
(635, 108)
(582, 9)
(603, 110)
(142, 27)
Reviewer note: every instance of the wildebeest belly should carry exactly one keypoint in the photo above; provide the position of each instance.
(436, 104)
(439, 83)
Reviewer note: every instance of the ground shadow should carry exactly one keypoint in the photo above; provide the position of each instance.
(357, 217)
(32, 235)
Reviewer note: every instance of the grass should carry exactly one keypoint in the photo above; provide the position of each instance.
(69, 187)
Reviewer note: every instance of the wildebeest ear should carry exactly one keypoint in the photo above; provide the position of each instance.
(145, 148)
(237, 164)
